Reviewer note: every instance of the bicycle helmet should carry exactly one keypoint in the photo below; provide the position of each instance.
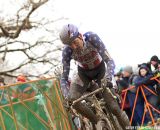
(68, 33)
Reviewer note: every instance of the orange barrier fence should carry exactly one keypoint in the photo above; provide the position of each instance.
(148, 106)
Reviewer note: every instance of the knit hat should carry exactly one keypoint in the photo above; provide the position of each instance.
(154, 58)
(128, 69)
(144, 67)
(21, 78)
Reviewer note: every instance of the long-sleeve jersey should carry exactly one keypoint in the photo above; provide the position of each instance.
(88, 58)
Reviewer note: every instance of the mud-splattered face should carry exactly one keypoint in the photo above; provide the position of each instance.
(77, 43)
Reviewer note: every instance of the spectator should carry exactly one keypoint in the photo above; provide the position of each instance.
(157, 74)
(118, 75)
(123, 83)
(144, 79)
(139, 109)
(153, 64)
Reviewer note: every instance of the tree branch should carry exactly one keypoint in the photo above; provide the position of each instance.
(26, 24)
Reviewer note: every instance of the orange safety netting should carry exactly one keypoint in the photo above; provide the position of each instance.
(40, 108)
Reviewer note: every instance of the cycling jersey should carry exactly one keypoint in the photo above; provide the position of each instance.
(88, 58)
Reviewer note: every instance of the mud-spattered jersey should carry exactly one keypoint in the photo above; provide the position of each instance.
(89, 57)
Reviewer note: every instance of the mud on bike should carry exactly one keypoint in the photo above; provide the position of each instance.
(106, 120)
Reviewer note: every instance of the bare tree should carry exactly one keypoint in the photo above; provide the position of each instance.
(25, 23)
(34, 55)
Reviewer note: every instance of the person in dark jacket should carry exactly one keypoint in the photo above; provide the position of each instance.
(157, 74)
(144, 79)
(123, 83)
(139, 108)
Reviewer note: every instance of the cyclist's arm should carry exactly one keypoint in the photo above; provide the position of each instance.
(66, 58)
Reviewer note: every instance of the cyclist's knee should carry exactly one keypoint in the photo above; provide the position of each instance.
(75, 92)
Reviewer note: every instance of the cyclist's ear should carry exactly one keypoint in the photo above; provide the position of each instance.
(80, 36)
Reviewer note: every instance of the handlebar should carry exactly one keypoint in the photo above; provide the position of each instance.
(87, 95)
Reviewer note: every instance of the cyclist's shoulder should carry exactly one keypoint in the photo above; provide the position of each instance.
(92, 37)
(89, 34)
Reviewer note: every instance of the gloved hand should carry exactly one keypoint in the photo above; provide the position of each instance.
(109, 84)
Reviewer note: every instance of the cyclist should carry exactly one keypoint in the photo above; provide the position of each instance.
(94, 63)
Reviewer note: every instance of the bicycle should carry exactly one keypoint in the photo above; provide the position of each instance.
(107, 121)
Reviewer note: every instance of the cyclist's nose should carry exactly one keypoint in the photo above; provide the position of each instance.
(73, 46)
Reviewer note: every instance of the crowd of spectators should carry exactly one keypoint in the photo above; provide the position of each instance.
(148, 88)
